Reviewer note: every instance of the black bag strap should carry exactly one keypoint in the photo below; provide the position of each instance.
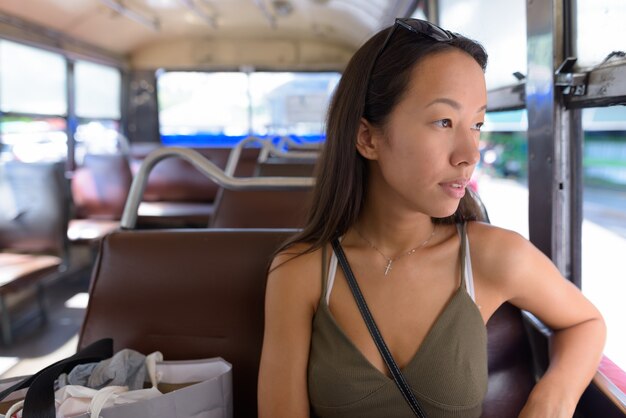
(397, 375)
(39, 400)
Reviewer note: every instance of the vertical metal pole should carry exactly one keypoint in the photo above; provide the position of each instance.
(554, 136)
(572, 137)
(72, 122)
(142, 116)
(432, 10)
(124, 98)
(41, 301)
(576, 138)
(5, 320)
(1, 118)
(540, 105)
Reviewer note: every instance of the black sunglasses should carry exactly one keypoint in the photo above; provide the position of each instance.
(417, 26)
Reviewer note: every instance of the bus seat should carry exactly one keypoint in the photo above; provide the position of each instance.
(281, 168)
(100, 186)
(261, 208)
(178, 195)
(99, 191)
(176, 180)
(199, 293)
(510, 359)
(33, 241)
(187, 293)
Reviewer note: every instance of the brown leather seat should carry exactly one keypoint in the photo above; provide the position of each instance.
(510, 359)
(178, 195)
(261, 209)
(511, 373)
(285, 168)
(200, 293)
(100, 186)
(33, 234)
(177, 180)
(187, 293)
(99, 191)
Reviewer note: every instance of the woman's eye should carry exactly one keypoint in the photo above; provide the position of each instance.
(444, 123)
(477, 126)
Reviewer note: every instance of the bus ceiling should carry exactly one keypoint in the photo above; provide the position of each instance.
(148, 34)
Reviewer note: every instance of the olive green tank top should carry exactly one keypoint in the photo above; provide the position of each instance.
(448, 373)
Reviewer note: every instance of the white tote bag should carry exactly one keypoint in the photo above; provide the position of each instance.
(179, 389)
(191, 389)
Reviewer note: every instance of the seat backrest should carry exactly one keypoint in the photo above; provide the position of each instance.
(187, 293)
(40, 201)
(511, 372)
(101, 185)
(177, 180)
(200, 293)
(261, 209)
(278, 168)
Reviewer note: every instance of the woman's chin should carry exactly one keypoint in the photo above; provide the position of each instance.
(443, 212)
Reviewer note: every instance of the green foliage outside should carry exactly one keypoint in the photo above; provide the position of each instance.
(604, 157)
(512, 153)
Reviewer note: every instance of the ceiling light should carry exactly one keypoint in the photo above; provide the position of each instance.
(151, 22)
(162, 4)
(282, 7)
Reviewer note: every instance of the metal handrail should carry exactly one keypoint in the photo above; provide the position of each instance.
(273, 150)
(235, 153)
(208, 168)
(304, 155)
(267, 149)
(293, 145)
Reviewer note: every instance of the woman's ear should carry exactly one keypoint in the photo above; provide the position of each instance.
(366, 144)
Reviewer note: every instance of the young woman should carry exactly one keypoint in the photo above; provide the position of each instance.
(402, 143)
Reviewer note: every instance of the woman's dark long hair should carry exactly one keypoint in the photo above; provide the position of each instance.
(341, 172)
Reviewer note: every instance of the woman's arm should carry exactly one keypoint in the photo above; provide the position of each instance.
(293, 290)
(529, 280)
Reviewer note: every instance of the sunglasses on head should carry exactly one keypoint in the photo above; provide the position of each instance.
(417, 26)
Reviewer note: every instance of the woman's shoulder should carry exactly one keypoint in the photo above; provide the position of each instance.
(499, 253)
(297, 270)
(299, 255)
(490, 236)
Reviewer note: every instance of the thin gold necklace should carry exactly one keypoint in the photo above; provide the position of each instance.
(390, 260)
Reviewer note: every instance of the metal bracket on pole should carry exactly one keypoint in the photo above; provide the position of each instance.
(571, 83)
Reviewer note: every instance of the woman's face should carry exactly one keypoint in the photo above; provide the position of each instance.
(427, 152)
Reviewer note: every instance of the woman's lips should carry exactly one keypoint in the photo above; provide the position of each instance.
(455, 188)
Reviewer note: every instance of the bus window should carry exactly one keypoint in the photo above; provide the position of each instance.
(26, 88)
(502, 174)
(98, 137)
(221, 108)
(499, 26)
(98, 91)
(98, 108)
(599, 37)
(604, 224)
(290, 103)
(599, 29)
(203, 107)
(27, 94)
(32, 139)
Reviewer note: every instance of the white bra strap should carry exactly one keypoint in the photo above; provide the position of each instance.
(467, 267)
(332, 270)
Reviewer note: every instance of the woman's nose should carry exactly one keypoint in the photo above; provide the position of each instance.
(466, 149)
